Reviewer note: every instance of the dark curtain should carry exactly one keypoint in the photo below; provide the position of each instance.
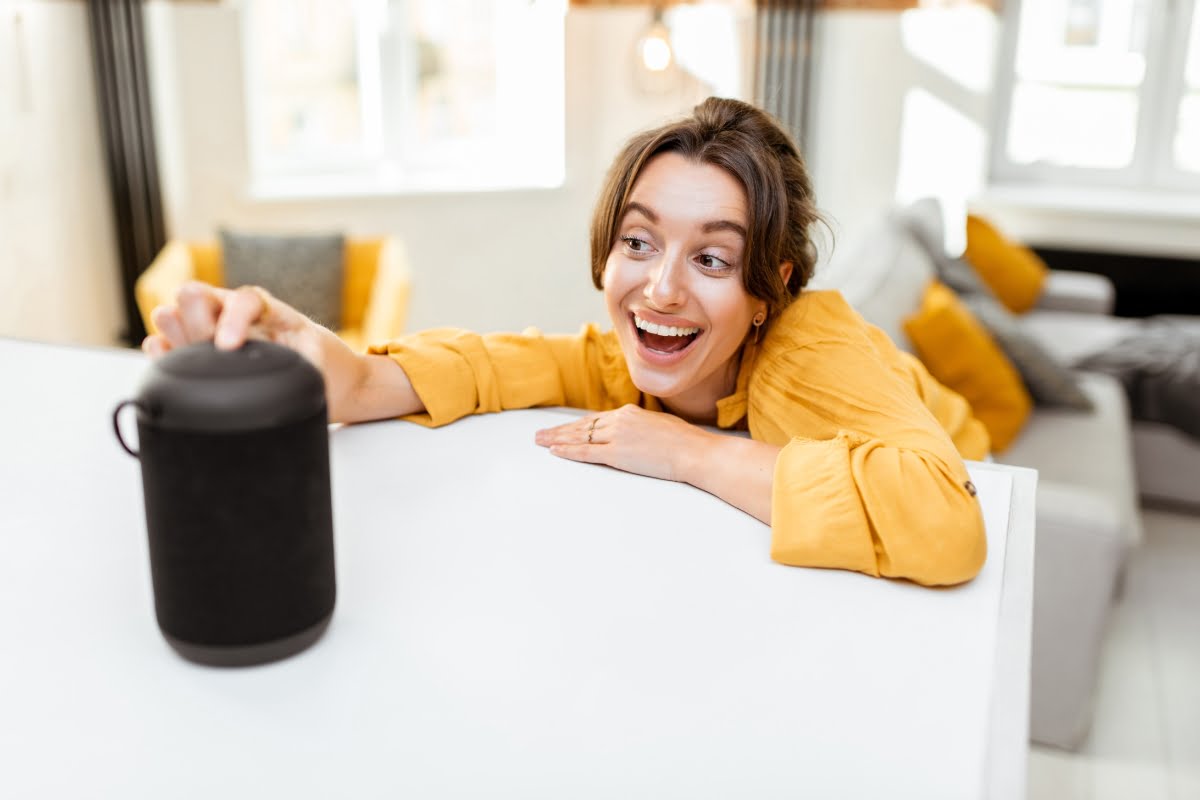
(783, 68)
(123, 100)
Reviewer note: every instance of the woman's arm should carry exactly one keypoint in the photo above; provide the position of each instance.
(847, 502)
(379, 390)
(737, 470)
(457, 372)
(357, 388)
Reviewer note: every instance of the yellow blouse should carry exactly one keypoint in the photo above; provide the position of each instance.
(870, 477)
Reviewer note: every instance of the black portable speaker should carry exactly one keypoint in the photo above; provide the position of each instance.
(234, 448)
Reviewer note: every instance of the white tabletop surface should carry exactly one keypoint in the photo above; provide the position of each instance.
(508, 625)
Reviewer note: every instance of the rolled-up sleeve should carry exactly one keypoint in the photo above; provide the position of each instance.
(851, 503)
(868, 477)
(457, 372)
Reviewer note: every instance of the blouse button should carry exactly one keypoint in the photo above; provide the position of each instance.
(970, 487)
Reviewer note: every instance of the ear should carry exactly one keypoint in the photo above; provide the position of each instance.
(785, 271)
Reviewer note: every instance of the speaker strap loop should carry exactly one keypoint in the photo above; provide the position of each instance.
(117, 425)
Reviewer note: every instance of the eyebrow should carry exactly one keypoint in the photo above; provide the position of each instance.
(708, 227)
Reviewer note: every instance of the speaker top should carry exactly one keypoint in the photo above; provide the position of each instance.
(201, 388)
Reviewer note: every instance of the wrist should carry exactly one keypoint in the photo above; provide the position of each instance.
(345, 372)
(691, 458)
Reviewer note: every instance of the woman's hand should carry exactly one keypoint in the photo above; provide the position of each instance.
(228, 317)
(357, 387)
(740, 471)
(631, 439)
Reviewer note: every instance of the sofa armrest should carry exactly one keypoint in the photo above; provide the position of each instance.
(387, 304)
(159, 284)
(1077, 291)
(1078, 559)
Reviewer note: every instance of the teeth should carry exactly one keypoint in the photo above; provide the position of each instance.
(662, 330)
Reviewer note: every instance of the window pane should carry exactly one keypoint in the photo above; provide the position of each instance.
(1187, 135)
(1072, 127)
(474, 92)
(1079, 66)
(1193, 58)
(305, 82)
(1083, 42)
(451, 77)
(386, 95)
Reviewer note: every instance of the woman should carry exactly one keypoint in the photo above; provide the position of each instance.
(700, 243)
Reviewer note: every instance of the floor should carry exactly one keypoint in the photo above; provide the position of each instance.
(1145, 741)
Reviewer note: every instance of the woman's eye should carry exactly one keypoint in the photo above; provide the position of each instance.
(635, 244)
(712, 263)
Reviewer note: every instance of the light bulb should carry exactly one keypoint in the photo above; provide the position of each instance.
(656, 51)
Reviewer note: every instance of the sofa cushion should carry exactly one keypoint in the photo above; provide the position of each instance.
(882, 273)
(1049, 382)
(956, 350)
(1013, 272)
(1090, 450)
(306, 272)
(1167, 462)
(1085, 292)
(1070, 337)
(925, 222)
(1079, 555)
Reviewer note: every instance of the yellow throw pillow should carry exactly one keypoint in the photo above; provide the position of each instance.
(1013, 272)
(959, 352)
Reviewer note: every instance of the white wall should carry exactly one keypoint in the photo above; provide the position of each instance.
(485, 261)
(904, 102)
(59, 279)
(901, 107)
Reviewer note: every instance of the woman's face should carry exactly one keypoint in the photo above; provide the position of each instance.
(673, 282)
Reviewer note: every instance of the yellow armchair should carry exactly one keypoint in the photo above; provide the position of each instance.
(375, 289)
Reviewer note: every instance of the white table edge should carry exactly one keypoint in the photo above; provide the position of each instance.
(1006, 764)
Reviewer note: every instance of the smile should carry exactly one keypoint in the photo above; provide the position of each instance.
(663, 344)
(662, 330)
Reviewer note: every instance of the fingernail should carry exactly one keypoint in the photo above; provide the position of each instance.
(226, 340)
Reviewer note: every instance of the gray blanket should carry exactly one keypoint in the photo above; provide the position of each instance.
(1159, 367)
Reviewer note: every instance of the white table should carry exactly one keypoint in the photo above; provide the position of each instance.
(508, 625)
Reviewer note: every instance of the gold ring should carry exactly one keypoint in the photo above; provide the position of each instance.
(592, 429)
(265, 297)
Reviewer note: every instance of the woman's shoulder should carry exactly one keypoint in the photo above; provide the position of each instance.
(815, 316)
(820, 333)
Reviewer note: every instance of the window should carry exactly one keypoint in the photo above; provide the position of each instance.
(1100, 92)
(404, 95)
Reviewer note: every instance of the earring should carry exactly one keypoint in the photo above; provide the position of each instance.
(759, 319)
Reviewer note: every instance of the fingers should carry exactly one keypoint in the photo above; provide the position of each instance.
(155, 345)
(243, 308)
(191, 319)
(584, 431)
(587, 453)
(198, 309)
(166, 320)
(208, 313)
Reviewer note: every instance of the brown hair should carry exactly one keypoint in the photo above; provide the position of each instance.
(751, 146)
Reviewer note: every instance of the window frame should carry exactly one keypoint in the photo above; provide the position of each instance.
(1152, 166)
(382, 166)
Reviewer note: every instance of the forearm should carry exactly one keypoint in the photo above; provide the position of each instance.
(360, 388)
(739, 471)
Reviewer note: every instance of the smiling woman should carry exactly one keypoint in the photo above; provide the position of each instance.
(701, 245)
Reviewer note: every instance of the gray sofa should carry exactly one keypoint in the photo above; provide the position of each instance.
(1088, 517)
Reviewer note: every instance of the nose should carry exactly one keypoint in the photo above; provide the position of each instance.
(665, 282)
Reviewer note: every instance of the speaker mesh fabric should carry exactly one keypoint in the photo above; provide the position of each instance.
(241, 531)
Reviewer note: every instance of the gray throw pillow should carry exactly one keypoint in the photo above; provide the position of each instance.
(1049, 383)
(923, 219)
(961, 277)
(304, 271)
